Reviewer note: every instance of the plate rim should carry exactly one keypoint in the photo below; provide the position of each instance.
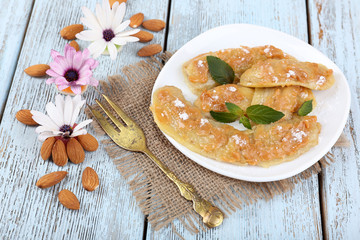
(281, 176)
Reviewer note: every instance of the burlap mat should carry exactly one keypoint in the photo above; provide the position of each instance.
(155, 194)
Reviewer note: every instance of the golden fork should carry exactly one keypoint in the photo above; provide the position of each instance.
(132, 138)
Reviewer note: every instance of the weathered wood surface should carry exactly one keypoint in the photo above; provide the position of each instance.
(335, 30)
(26, 211)
(295, 215)
(14, 16)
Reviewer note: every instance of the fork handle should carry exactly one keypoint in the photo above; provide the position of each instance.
(203, 207)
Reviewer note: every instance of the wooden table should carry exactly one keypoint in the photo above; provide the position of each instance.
(324, 206)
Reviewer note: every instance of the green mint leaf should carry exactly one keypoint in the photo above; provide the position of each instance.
(224, 117)
(261, 114)
(234, 109)
(245, 121)
(305, 108)
(220, 71)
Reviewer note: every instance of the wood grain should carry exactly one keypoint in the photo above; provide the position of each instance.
(14, 17)
(335, 28)
(26, 211)
(294, 215)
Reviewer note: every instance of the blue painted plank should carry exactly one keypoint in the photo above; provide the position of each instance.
(335, 28)
(14, 17)
(293, 215)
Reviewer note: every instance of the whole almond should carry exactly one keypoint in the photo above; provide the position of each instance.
(47, 147)
(59, 154)
(154, 25)
(90, 179)
(69, 32)
(149, 50)
(75, 151)
(38, 70)
(51, 179)
(136, 20)
(68, 199)
(143, 36)
(75, 45)
(24, 116)
(113, 1)
(88, 142)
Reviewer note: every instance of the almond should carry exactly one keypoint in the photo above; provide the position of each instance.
(68, 199)
(51, 179)
(88, 142)
(24, 116)
(136, 20)
(75, 151)
(75, 45)
(154, 25)
(69, 32)
(149, 50)
(47, 147)
(90, 179)
(144, 36)
(59, 154)
(38, 70)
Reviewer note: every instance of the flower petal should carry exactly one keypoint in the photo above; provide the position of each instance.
(89, 35)
(61, 81)
(56, 68)
(97, 48)
(52, 73)
(43, 120)
(91, 18)
(101, 16)
(82, 124)
(119, 16)
(78, 60)
(78, 103)
(76, 89)
(50, 80)
(122, 26)
(68, 110)
(127, 33)
(41, 129)
(54, 53)
(112, 50)
(43, 136)
(59, 102)
(78, 133)
(54, 114)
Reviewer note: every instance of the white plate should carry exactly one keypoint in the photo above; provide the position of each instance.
(332, 105)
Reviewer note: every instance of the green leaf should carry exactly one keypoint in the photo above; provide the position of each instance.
(234, 109)
(305, 108)
(220, 71)
(261, 114)
(245, 121)
(224, 117)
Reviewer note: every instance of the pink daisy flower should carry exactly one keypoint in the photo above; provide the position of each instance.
(74, 70)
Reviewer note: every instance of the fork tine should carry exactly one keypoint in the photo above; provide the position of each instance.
(118, 110)
(110, 115)
(108, 128)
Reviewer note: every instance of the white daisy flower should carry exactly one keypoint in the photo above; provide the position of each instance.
(107, 30)
(61, 118)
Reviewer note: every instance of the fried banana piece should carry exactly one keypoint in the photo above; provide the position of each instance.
(265, 145)
(196, 70)
(288, 72)
(214, 99)
(284, 99)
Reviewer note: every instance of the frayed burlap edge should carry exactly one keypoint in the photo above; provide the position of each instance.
(230, 197)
